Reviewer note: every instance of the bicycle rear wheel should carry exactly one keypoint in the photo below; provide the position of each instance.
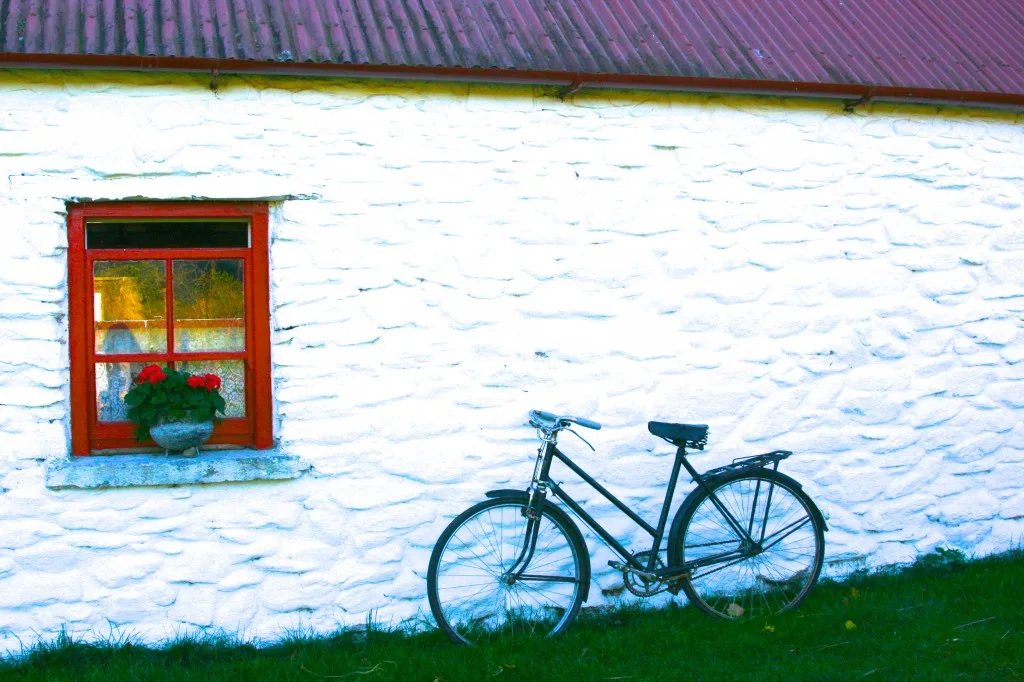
(789, 534)
(467, 586)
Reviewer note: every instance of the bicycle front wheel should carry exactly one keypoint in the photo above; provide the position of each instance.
(468, 586)
(773, 574)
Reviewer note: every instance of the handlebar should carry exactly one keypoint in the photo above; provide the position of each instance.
(552, 422)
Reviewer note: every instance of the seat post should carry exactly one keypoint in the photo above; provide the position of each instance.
(681, 456)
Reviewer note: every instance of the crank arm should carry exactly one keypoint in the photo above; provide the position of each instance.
(619, 566)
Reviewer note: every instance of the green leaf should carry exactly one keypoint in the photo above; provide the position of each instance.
(171, 399)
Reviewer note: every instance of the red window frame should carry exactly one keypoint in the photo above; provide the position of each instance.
(87, 433)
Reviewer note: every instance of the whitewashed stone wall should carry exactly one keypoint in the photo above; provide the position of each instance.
(848, 286)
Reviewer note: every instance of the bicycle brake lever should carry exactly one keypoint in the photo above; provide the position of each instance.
(582, 439)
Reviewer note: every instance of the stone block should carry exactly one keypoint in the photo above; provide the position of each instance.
(931, 412)
(859, 486)
(241, 578)
(368, 493)
(1006, 477)
(27, 590)
(1007, 270)
(117, 570)
(202, 564)
(131, 604)
(915, 480)
(298, 556)
(24, 532)
(994, 332)
(48, 556)
(1008, 393)
(974, 505)
(1013, 508)
(899, 514)
(975, 449)
(104, 521)
(194, 605)
(284, 594)
(235, 612)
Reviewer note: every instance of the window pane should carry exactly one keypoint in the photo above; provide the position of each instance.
(167, 235)
(209, 305)
(128, 306)
(113, 379)
(232, 377)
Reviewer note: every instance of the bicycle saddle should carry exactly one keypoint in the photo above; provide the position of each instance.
(681, 435)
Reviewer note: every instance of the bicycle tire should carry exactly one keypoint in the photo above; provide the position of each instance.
(777, 580)
(528, 613)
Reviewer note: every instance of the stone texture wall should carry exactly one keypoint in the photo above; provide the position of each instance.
(848, 286)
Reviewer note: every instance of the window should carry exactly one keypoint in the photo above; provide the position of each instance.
(184, 285)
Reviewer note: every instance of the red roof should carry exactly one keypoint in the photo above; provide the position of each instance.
(940, 49)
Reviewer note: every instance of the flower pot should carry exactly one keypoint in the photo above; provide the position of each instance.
(185, 437)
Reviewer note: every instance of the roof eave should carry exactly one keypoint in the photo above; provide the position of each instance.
(572, 81)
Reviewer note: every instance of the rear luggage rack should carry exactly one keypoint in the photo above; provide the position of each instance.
(756, 462)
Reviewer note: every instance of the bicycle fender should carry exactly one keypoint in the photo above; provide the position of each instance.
(507, 492)
(814, 505)
(777, 474)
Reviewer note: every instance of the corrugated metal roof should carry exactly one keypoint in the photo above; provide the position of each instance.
(967, 46)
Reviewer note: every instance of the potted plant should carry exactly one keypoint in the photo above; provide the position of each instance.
(174, 408)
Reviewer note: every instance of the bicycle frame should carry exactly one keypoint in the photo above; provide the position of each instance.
(542, 482)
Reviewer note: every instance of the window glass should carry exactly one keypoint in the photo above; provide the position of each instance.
(113, 379)
(167, 235)
(209, 305)
(232, 377)
(129, 306)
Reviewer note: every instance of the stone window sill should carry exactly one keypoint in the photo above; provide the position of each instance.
(216, 466)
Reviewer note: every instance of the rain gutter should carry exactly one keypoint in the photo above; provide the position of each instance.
(568, 83)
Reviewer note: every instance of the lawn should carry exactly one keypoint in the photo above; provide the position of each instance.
(941, 619)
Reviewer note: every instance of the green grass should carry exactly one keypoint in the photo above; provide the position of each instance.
(941, 619)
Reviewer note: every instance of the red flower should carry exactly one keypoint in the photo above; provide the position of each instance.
(151, 373)
(211, 382)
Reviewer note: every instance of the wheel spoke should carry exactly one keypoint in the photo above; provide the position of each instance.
(772, 577)
(469, 597)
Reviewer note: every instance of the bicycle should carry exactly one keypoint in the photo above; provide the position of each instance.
(746, 542)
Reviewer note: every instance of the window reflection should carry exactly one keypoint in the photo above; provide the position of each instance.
(209, 305)
(113, 379)
(128, 306)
